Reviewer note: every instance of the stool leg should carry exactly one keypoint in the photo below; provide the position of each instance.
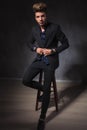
(55, 93)
(54, 89)
(37, 103)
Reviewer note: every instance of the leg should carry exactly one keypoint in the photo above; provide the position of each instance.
(31, 72)
(48, 74)
(46, 97)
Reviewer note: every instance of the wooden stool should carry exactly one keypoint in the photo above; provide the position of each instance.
(53, 89)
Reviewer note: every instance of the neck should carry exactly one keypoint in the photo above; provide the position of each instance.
(42, 28)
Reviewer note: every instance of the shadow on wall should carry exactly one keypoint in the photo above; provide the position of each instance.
(78, 70)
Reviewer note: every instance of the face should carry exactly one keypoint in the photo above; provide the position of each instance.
(40, 18)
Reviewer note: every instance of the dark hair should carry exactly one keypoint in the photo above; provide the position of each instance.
(39, 7)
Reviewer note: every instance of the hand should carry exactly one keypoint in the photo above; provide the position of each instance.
(39, 51)
(47, 52)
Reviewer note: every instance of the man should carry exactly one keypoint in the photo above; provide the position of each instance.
(44, 41)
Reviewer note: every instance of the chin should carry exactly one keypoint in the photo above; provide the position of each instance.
(41, 24)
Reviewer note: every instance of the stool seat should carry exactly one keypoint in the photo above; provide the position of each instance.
(53, 89)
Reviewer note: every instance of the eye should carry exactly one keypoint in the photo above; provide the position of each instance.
(42, 16)
(37, 16)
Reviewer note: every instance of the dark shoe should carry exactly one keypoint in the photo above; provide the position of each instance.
(40, 98)
(41, 124)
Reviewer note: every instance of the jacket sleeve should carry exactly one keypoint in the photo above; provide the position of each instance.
(63, 40)
(31, 42)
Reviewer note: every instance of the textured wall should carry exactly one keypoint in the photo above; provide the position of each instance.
(16, 22)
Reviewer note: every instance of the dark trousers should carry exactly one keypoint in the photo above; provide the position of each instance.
(28, 80)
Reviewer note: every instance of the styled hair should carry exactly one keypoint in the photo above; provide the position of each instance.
(39, 7)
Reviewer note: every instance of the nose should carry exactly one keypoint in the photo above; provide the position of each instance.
(40, 18)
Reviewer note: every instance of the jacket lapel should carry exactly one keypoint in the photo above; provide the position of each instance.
(47, 37)
(40, 42)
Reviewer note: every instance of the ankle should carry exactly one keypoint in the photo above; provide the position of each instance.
(41, 124)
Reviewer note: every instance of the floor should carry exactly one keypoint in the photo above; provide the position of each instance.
(17, 107)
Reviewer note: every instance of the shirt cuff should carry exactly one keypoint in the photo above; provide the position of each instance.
(34, 48)
(53, 51)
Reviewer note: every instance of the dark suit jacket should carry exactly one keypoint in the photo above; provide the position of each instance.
(53, 36)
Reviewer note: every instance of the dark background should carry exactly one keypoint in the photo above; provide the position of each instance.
(16, 20)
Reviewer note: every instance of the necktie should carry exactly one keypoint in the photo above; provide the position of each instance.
(43, 58)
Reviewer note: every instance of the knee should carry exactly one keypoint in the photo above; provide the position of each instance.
(26, 82)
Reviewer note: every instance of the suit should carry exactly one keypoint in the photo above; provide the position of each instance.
(53, 35)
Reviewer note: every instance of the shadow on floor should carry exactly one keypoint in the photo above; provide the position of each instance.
(18, 126)
(65, 98)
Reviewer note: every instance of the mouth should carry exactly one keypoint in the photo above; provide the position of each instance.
(41, 23)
